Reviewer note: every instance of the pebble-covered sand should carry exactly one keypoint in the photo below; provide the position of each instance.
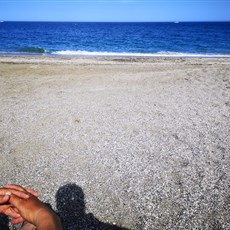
(138, 143)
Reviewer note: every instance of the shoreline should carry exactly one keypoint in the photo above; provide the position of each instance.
(101, 60)
(85, 54)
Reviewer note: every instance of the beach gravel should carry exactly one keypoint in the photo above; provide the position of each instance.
(144, 142)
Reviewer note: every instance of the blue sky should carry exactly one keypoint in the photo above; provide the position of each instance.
(115, 10)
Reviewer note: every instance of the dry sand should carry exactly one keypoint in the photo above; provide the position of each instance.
(144, 142)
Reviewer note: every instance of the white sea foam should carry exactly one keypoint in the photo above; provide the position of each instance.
(125, 54)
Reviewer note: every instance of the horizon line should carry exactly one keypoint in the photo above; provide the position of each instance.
(117, 21)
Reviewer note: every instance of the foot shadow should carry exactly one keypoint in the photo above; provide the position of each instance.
(71, 209)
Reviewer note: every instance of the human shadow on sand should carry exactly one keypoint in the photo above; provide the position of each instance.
(71, 209)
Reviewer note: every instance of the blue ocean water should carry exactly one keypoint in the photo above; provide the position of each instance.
(121, 39)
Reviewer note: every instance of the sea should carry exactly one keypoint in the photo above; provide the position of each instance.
(150, 39)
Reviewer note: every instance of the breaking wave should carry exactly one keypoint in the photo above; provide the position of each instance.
(35, 50)
(125, 54)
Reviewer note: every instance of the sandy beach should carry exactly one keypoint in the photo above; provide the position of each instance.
(140, 143)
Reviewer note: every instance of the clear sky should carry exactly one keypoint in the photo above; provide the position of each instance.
(115, 10)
